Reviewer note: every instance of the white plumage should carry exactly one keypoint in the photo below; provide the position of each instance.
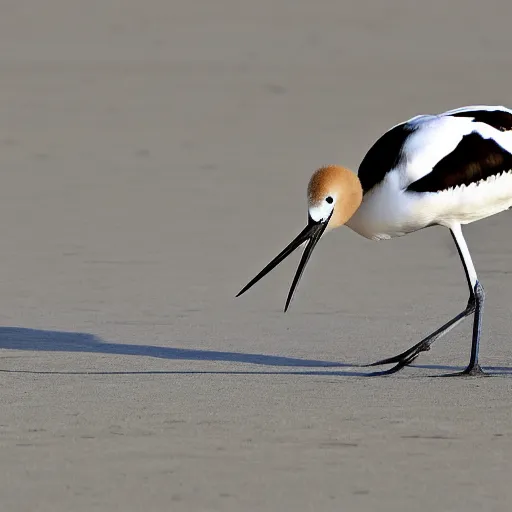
(389, 209)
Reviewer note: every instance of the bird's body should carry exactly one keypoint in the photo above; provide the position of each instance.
(448, 169)
(453, 168)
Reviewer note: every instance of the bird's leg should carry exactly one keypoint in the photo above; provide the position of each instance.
(407, 357)
(474, 367)
(475, 305)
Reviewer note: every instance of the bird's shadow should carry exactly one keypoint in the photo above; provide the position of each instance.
(20, 338)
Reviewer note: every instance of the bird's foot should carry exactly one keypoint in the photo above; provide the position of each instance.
(474, 370)
(405, 358)
(391, 371)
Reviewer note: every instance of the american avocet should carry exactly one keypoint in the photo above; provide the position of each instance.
(448, 170)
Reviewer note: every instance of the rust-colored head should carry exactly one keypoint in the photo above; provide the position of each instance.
(334, 194)
(334, 188)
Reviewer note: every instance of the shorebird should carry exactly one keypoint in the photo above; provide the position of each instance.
(448, 170)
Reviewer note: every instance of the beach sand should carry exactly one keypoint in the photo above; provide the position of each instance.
(154, 156)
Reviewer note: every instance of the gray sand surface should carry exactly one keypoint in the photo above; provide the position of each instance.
(154, 156)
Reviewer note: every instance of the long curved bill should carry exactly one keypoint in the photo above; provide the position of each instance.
(310, 234)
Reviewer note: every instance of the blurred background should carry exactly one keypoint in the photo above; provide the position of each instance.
(154, 156)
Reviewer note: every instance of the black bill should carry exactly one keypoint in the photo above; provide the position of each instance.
(310, 234)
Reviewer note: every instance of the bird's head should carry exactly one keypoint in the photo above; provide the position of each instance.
(334, 194)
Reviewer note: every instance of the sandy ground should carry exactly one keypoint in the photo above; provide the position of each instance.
(154, 156)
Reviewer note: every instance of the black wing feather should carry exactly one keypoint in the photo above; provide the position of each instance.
(383, 156)
(499, 119)
(474, 159)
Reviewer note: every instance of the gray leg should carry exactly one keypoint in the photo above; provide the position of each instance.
(475, 305)
(473, 367)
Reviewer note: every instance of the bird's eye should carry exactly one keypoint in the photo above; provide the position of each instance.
(329, 199)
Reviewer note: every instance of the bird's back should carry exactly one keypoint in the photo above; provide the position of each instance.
(437, 169)
(468, 137)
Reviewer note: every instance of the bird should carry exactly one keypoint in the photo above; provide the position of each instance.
(449, 169)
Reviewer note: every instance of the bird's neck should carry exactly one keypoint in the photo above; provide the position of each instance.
(350, 198)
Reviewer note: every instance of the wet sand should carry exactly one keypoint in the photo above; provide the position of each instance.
(154, 157)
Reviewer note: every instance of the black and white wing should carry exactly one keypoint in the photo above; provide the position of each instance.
(498, 117)
(384, 156)
(435, 153)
